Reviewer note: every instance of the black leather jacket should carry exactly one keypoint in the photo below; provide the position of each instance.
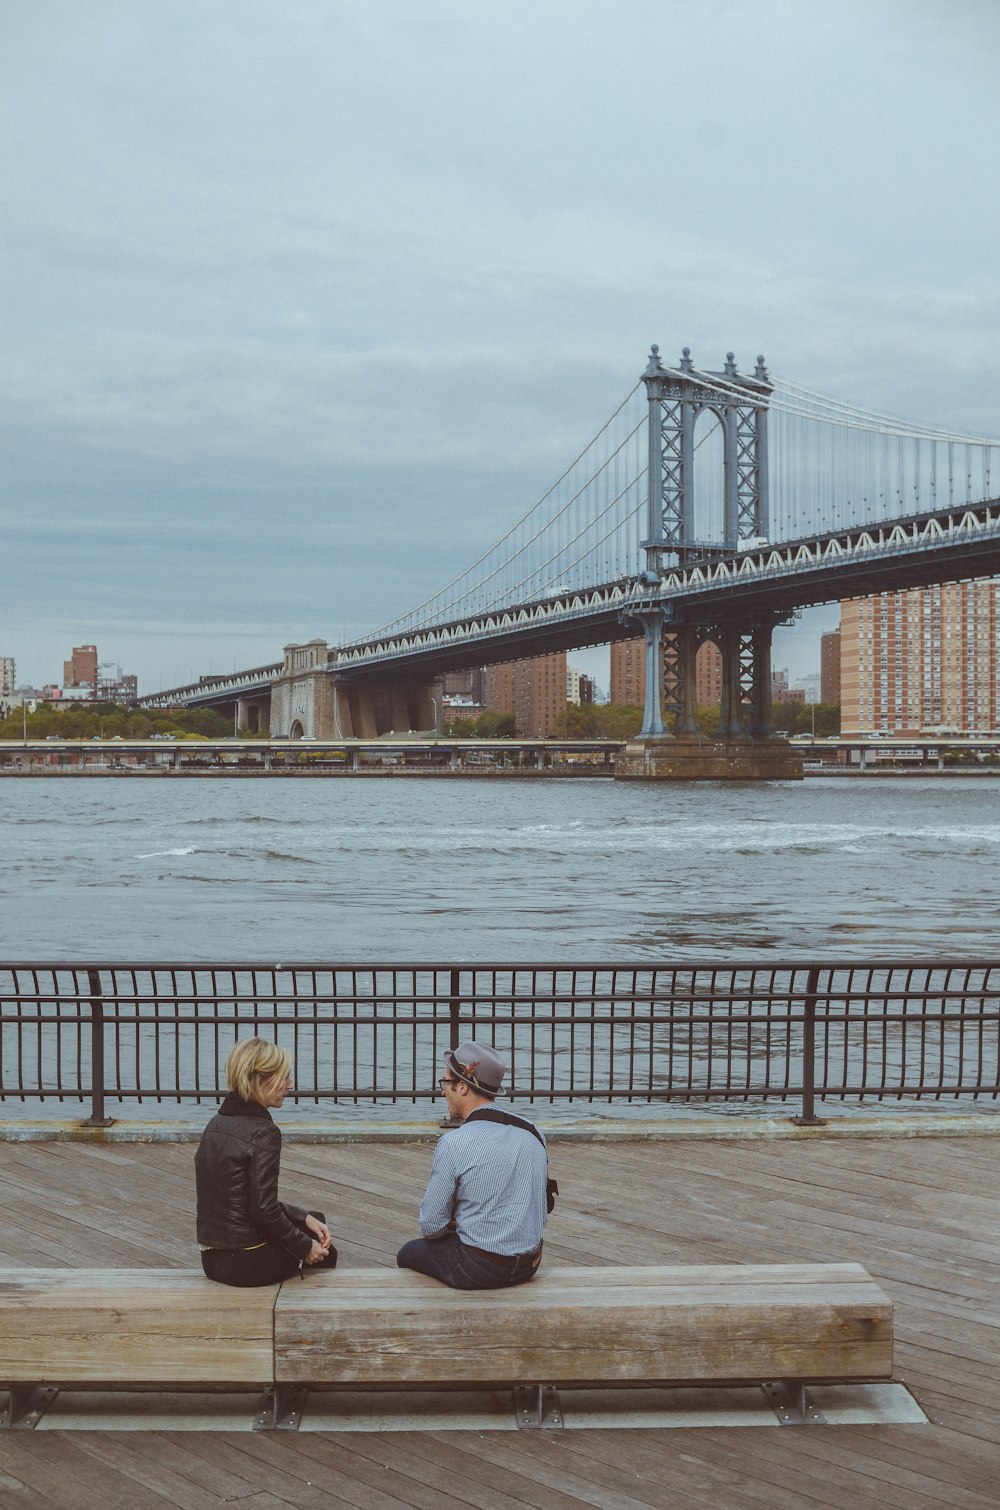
(236, 1167)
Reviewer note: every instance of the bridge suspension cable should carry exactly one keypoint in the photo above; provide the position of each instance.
(832, 465)
(582, 531)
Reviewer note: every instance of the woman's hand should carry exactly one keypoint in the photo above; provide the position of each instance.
(320, 1232)
(316, 1253)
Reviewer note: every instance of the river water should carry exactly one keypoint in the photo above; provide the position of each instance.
(401, 869)
(482, 870)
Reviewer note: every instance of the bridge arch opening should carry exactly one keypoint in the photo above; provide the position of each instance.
(296, 731)
(708, 521)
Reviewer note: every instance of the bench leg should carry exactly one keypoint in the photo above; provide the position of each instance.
(537, 1407)
(26, 1405)
(281, 1408)
(791, 1403)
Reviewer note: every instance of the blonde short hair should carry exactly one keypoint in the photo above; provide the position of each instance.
(252, 1061)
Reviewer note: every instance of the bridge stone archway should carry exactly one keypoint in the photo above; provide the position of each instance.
(310, 701)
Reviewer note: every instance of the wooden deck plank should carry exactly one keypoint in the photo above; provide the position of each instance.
(701, 1481)
(135, 1459)
(364, 1485)
(919, 1215)
(59, 1467)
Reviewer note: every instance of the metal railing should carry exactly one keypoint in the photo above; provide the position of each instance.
(609, 1033)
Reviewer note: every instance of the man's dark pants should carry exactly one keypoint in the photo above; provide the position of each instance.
(464, 1268)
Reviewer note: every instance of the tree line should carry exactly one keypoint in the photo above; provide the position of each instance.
(624, 720)
(105, 720)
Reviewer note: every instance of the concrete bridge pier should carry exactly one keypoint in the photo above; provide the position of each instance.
(745, 747)
(252, 715)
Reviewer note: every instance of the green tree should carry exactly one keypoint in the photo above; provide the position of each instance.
(486, 725)
(600, 721)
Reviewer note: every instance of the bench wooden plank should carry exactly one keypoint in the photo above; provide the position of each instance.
(631, 1277)
(132, 1326)
(587, 1325)
(662, 1324)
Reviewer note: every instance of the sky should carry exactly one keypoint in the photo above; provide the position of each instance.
(307, 301)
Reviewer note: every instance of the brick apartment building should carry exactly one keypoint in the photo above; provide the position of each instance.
(921, 661)
(628, 673)
(829, 668)
(534, 691)
(81, 669)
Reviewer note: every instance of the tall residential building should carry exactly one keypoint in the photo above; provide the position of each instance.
(533, 690)
(6, 676)
(708, 675)
(829, 668)
(628, 673)
(924, 660)
(498, 687)
(81, 669)
(579, 686)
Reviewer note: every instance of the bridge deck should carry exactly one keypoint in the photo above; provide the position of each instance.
(920, 1214)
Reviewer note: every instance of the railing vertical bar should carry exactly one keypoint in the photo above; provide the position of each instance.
(97, 1116)
(808, 1117)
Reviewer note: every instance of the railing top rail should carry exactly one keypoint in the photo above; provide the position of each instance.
(893, 962)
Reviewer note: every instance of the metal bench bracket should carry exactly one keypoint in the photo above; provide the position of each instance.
(791, 1403)
(537, 1407)
(281, 1408)
(26, 1405)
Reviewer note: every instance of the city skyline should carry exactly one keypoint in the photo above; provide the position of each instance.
(311, 314)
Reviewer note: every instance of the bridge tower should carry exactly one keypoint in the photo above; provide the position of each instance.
(745, 746)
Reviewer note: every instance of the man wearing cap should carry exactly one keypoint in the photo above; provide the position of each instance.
(486, 1202)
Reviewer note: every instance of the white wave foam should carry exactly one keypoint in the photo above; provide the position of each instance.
(189, 849)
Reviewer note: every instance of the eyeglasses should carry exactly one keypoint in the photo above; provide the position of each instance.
(447, 1080)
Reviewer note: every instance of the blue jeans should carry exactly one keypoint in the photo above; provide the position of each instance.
(447, 1259)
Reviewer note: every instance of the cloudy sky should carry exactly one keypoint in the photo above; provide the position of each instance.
(306, 301)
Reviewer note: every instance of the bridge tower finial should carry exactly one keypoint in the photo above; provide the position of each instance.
(730, 367)
(654, 365)
(686, 363)
(760, 371)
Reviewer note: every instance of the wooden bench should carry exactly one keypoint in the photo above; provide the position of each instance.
(780, 1325)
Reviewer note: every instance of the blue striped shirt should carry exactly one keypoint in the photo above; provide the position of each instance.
(490, 1179)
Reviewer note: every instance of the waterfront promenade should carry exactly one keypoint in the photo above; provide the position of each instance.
(439, 756)
(920, 1213)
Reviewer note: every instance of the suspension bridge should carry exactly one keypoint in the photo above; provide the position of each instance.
(711, 505)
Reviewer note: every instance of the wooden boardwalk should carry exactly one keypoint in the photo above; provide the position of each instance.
(920, 1214)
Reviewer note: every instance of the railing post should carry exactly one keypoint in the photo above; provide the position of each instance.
(454, 1008)
(454, 1031)
(97, 1117)
(807, 1117)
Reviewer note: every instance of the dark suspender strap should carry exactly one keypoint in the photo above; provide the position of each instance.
(494, 1114)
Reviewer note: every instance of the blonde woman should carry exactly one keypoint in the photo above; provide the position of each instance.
(247, 1236)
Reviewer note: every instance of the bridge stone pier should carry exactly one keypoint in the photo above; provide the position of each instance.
(310, 700)
(253, 714)
(745, 746)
